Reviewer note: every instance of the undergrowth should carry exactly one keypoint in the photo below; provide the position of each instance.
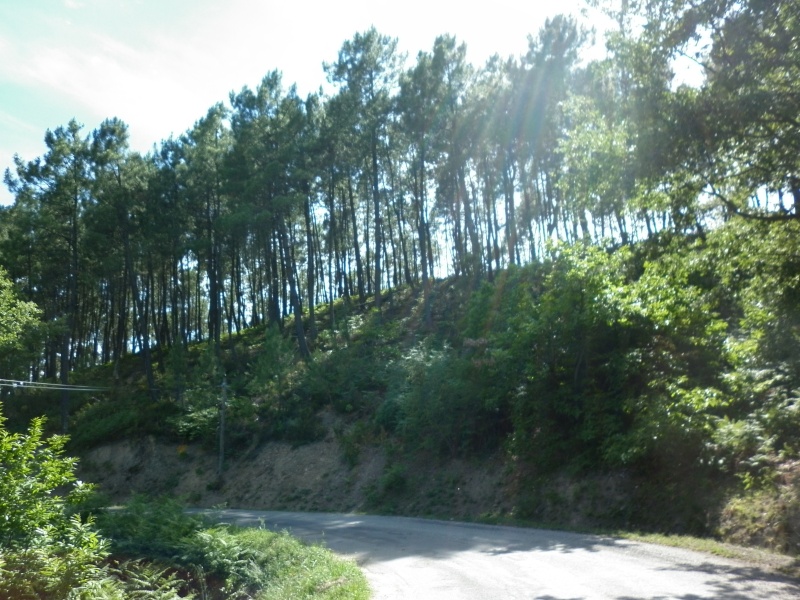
(586, 362)
(187, 556)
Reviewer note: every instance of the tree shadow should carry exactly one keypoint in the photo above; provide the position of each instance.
(517, 556)
(388, 537)
(732, 582)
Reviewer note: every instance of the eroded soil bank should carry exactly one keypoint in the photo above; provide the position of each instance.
(327, 476)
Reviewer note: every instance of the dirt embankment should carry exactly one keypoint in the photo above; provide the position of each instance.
(321, 476)
(313, 477)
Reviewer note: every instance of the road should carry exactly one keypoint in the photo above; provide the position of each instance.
(424, 559)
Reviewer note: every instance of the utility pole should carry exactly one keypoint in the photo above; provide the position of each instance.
(222, 407)
(64, 411)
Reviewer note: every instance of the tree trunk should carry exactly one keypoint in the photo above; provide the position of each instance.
(311, 268)
(377, 216)
(297, 308)
(356, 249)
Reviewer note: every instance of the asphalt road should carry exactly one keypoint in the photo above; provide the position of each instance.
(423, 559)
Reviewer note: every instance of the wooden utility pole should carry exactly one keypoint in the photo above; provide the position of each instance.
(222, 407)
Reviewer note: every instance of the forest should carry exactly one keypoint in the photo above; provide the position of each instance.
(620, 251)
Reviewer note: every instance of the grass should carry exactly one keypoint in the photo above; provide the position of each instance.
(294, 570)
(758, 557)
(223, 561)
(706, 545)
(771, 561)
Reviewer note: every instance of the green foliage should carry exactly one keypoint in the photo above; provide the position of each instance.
(437, 403)
(15, 315)
(349, 379)
(176, 376)
(748, 101)
(106, 419)
(742, 446)
(597, 358)
(222, 556)
(578, 372)
(19, 329)
(221, 561)
(196, 417)
(46, 551)
(56, 564)
(596, 160)
(683, 350)
(270, 375)
(278, 385)
(142, 579)
(352, 440)
(162, 531)
(32, 469)
(757, 267)
(201, 420)
(151, 528)
(293, 570)
(353, 376)
(382, 493)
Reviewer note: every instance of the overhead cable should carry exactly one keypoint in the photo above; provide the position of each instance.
(41, 385)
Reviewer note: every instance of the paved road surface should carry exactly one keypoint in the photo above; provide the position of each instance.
(423, 559)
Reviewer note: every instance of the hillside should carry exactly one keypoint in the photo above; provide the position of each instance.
(591, 390)
(553, 289)
(333, 460)
(575, 279)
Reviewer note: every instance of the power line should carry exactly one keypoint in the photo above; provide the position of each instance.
(40, 385)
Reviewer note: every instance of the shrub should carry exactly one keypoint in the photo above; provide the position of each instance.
(147, 527)
(46, 551)
(219, 561)
(449, 402)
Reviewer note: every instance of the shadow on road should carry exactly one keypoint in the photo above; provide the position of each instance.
(388, 537)
(374, 541)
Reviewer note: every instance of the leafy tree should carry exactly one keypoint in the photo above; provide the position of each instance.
(274, 146)
(596, 179)
(756, 266)
(579, 372)
(123, 213)
(18, 319)
(450, 402)
(54, 192)
(541, 83)
(682, 344)
(45, 551)
(753, 65)
(430, 106)
(737, 134)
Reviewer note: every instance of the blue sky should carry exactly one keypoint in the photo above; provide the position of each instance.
(160, 64)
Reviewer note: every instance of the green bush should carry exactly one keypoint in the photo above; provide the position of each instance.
(352, 440)
(440, 402)
(270, 375)
(46, 550)
(220, 561)
(148, 527)
(349, 379)
(120, 415)
(394, 482)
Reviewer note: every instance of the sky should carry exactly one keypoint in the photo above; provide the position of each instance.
(159, 65)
